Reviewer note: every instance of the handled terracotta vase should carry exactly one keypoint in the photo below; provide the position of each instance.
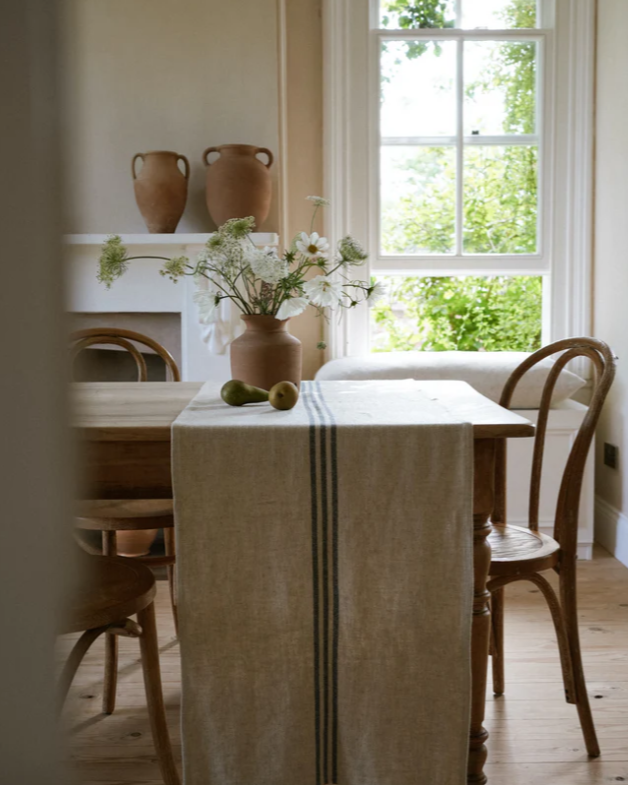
(161, 189)
(238, 184)
(266, 353)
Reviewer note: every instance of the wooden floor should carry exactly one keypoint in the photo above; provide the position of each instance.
(535, 736)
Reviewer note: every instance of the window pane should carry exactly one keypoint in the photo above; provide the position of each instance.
(418, 187)
(500, 200)
(418, 88)
(465, 313)
(414, 14)
(501, 14)
(500, 88)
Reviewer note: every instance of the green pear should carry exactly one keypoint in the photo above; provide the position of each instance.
(284, 395)
(237, 393)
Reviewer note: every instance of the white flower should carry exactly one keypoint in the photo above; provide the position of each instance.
(268, 266)
(323, 291)
(208, 302)
(291, 307)
(375, 293)
(313, 246)
(318, 201)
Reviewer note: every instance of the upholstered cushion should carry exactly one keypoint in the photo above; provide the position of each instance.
(487, 372)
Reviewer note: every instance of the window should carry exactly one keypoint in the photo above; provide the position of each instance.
(460, 134)
(460, 128)
(459, 145)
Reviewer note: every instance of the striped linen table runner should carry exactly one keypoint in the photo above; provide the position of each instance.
(325, 586)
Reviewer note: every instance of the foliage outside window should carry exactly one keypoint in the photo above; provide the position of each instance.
(465, 313)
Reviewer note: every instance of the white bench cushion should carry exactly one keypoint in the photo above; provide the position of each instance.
(487, 372)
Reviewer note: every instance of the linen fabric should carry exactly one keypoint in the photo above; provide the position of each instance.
(325, 588)
(487, 372)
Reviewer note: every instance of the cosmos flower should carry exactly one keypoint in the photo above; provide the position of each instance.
(313, 246)
(293, 306)
(323, 291)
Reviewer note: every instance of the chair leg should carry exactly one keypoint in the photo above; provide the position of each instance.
(497, 640)
(570, 614)
(169, 542)
(558, 619)
(154, 695)
(111, 641)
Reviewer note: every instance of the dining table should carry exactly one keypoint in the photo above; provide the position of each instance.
(124, 432)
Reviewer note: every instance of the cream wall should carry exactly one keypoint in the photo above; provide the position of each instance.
(158, 74)
(611, 238)
(163, 75)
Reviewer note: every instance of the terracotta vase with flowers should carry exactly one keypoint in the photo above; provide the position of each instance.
(269, 289)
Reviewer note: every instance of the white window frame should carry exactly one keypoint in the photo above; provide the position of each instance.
(351, 99)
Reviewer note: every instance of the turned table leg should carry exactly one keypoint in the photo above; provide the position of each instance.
(484, 460)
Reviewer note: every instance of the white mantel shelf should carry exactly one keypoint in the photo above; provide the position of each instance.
(86, 240)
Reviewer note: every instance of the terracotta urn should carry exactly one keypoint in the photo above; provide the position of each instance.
(238, 183)
(161, 189)
(266, 353)
(135, 542)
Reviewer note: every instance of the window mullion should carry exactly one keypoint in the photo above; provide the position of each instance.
(459, 143)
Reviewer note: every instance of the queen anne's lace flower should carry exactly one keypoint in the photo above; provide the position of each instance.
(268, 266)
(237, 228)
(318, 201)
(113, 260)
(313, 246)
(351, 251)
(208, 302)
(175, 268)
(323, 291)
(291, 307)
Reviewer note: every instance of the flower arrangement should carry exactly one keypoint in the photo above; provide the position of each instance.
(259, 281)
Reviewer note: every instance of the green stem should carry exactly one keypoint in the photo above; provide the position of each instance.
(163, 258)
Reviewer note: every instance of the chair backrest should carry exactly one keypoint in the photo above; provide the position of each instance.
(567, 506)
(113, 336)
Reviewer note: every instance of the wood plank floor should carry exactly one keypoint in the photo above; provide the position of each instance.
(535, 736)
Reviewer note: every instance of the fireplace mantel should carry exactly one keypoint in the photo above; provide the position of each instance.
(172, 240)
(143, 290)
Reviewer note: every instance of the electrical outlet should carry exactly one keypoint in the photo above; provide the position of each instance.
(611, 455)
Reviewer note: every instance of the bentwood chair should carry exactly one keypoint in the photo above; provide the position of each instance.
(521, 553)
(112, 590)
(136, 515)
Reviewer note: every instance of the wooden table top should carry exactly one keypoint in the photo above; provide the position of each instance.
(128, 411)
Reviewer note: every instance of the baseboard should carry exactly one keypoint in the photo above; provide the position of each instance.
(611, 529)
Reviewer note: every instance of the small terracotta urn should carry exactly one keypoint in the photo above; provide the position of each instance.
(161, 189)
(238, 183)
(135, 542)
(266, 353)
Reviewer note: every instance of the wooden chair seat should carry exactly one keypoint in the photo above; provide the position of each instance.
(516, 549)
(111, 589)
(124, 514)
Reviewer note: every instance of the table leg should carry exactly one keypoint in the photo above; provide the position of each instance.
(484, 463)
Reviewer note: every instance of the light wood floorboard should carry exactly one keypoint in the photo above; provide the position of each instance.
(535, 736)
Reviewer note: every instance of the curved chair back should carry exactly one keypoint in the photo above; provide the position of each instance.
(113, 336)
(567, 507)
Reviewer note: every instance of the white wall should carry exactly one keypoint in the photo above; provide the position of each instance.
(611, 263)
(163, 75)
